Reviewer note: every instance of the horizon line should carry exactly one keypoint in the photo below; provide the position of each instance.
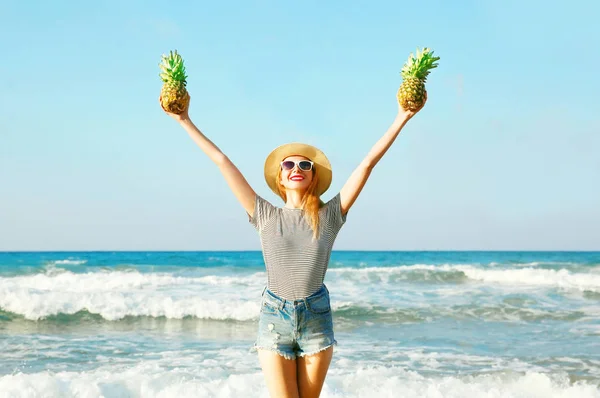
(333, 251)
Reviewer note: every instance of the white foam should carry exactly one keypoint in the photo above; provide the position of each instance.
(394, 382)
(537, 263)
(562, 278)
(153, 381)
(117, 305)
(536, 277)
(69, 262)
(532, 264)
(114, 295)
(106, 281)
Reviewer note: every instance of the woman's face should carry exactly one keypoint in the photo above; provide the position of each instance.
(296, 178)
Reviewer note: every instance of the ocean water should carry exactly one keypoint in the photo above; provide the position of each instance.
(408, 324)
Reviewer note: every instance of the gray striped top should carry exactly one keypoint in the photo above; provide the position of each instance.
(296, 264)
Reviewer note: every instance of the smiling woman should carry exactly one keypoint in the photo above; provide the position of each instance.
(295, 336)
(296, 178)
(298, 187)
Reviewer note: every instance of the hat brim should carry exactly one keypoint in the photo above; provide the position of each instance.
(321, 164)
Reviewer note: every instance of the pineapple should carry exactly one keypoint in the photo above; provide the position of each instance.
(174, 97)
(411, 94)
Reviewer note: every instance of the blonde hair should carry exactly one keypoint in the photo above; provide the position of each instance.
(311, 202)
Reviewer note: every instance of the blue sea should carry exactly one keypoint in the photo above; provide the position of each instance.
(408, 324)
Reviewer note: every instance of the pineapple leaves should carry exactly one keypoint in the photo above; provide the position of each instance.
(172, 68)
(420, 65)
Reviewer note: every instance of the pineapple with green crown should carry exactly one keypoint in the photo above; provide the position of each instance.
(411, 94)
(173, 96)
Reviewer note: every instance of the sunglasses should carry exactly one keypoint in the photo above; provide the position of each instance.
(304, 165)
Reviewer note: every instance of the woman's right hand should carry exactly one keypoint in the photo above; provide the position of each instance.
(181, 117)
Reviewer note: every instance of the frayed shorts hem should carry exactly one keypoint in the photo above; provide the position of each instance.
(305, 354)
(294, 356)
(280, 353)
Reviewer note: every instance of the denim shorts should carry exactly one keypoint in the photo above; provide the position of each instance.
(295, 328)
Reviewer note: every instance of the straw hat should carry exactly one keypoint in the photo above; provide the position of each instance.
(321, 164)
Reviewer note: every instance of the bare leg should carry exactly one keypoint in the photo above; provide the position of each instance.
(280, 374)
(312, 370)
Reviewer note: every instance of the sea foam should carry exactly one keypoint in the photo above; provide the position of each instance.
(118, 294)
(562, 278)
(151, 381)
(115, 295)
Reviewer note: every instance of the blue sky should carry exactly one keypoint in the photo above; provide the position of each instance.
(505, 156)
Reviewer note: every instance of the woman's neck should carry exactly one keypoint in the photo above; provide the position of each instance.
(294, 199)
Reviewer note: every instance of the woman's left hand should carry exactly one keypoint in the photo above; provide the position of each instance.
(407, 114)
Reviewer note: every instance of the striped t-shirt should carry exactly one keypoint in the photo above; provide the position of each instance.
(296, 264)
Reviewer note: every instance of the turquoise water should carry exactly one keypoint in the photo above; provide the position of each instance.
(408, 324)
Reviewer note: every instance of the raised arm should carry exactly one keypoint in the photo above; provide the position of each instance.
(236, 181)
(360, 175)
